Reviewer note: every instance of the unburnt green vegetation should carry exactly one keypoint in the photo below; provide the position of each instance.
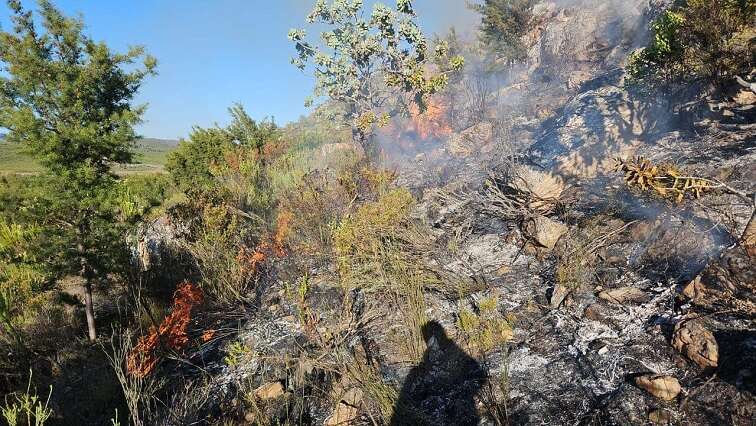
(697, 40)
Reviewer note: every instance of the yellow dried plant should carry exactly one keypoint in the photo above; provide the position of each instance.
(664, 179)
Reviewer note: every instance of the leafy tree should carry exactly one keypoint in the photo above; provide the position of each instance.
(68, 99)
(364, 63)
(503, 25)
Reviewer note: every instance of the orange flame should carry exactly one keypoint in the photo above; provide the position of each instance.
(171, 333)
(144, 357)
(433, 122)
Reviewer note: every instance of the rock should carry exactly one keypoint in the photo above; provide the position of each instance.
(640, 231)
(694, 290)
(559, 294)
(745, 97)
(576, 78)
(545, 231)
(490, 252)
(697, 343)
(623, 295)
(726, 283)
(595, 127)
(473, 140)
(269, 391)
(344, 414)
(749, 237)
(353, 397)
(616, 260)
(660, 417)
(331, 149)
(539, 191)
(155, 241)
(663, 387)
(593, 313)
(347, 410)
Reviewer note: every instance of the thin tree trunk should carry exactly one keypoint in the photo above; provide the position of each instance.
(89, 308)
(748, 239)
(86, 273)
(365, 142)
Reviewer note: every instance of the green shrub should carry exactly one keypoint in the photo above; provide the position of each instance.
(241, 180)
(197, 163)
(362, 240)
(486, 329)
(140, 195)
(22, 274)
(26, 408)
(221, 245)
(701, 39)
(235, 353)
(662, 58)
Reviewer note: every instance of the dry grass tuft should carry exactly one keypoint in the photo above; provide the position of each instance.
(524, 191)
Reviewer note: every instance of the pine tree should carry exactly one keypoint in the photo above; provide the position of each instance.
(68, 100)
(503, 25)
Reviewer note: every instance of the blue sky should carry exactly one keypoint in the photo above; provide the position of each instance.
(212, 53)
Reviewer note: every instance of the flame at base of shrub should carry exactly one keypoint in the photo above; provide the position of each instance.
(271, 246)
(171, 335)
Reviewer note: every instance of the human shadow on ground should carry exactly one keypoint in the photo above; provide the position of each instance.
(441, 389)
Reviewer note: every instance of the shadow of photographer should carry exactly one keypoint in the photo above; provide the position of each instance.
(441, 389)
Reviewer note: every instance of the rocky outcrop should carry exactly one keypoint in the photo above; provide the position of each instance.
(472, 141)
(579, 38)
(596, 127)
(544, 231)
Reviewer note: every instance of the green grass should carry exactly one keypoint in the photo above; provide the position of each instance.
(151, 155)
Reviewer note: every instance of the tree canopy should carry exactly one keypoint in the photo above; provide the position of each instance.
(503, 24)
(365, 63)
(68, 100)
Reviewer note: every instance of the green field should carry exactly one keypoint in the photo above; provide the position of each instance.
(151, 157)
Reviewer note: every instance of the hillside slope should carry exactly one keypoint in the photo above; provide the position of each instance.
(558, 294)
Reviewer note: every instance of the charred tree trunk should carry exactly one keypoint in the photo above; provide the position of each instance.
(367, 144)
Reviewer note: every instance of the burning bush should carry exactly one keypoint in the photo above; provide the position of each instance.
(433, 122)
(421, 128)
(171, 335)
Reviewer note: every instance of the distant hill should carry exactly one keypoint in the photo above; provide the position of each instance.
(151, 155)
